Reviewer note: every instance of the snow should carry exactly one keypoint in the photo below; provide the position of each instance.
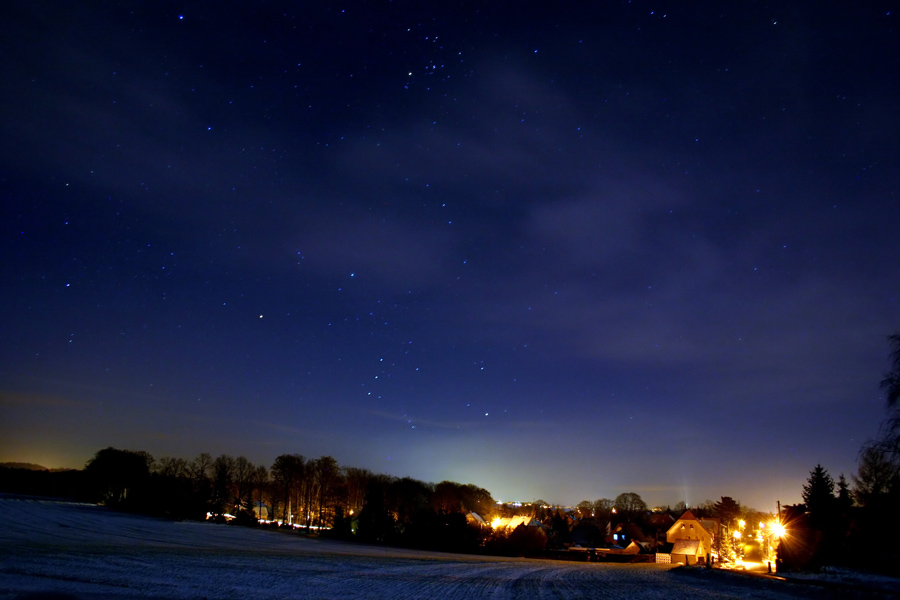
(849, 577)
(89, 552)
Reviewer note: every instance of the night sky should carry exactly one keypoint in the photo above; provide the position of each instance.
(559, 253)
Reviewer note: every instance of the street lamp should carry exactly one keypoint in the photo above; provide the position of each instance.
(778, 530)
(775, 530)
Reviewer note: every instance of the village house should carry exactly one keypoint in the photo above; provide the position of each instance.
(692, 542)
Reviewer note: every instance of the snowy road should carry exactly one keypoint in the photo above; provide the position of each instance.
(89, 552)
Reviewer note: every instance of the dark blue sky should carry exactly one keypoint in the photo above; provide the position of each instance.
(559, 253)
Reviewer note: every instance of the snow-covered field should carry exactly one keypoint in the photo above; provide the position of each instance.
(85, 551)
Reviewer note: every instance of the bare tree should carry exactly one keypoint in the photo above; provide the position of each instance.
(357, 481)
(891, 382)
(875, 476)
(200, 468)
(289, 472)
(585, 509)
(629, 505)
(325, 479)
(446, 497)
(603, 506)
(243, 481)
(223, 481)
(171, 467)
(260, 485)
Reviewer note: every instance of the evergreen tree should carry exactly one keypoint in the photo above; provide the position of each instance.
(818, 495)
(844, 496)
(728, 510)
(824, 535)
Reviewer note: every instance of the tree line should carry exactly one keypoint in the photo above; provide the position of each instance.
(836, 524)
(296, 492)
(319, 495)
(839, 523)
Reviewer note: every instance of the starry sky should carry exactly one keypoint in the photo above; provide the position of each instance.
(558, 252)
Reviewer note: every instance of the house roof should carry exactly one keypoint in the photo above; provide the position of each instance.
(511, 522)
(689, 517)
(687, 547)
(632, 548)
(659, 520)
(632, 530)
(711, 524)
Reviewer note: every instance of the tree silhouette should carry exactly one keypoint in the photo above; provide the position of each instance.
(818, 495)
(327, 479)
(476, 499)
(288, 471)
(891, 382)
(223, 483)
(115, 473)
(629, 505)
(447, 497)
(357, 480)
(199, 471)
(824, 535)
(889, 443)
(603, 507)
(243, 475)
(844, 495)
(585, 509)
(376, 523)
(728, 510)
(873, 480)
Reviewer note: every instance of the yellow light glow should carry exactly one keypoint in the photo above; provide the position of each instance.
(741, 523)
(778, 530)
(496, 522)
(736, 535)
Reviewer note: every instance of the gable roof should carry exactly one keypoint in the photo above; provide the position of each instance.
(688, 547)
(687, 516)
